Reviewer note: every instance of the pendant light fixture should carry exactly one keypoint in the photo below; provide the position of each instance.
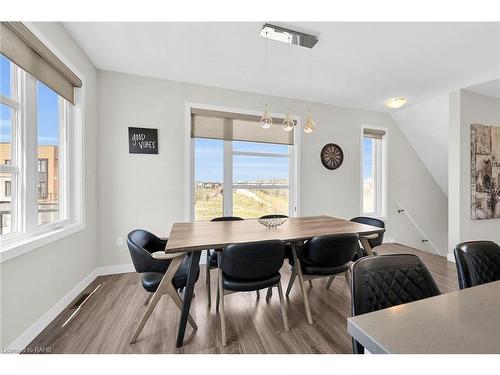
(288, 123)
(266, 121)
(309, 126)
(284, 35)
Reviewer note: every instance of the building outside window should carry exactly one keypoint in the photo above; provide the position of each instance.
(20, 97)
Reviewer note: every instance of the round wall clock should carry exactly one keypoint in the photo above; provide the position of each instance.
(332, 156)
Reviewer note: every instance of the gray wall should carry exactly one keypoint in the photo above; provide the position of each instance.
(149, 191)
(467, 108)
(33, 283)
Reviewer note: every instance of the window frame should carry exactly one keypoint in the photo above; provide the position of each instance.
(381, 174)
(228, 153)
(71, 171)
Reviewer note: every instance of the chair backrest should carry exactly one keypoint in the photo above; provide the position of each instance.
(331, 251)
(253, 260)
(272, 216)
(226, 218)
(478, 262)
(383, 281)
(141, 244)
(373, 222)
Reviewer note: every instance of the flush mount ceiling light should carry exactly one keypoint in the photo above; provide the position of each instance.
(288, 36)
(395, 102)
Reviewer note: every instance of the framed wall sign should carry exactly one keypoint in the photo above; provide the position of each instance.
(142, 141)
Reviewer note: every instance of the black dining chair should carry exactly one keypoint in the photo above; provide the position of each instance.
(383, 281)
(248, 267)
(142, 245)
(325, 256)
(211, 260)
(477, 262)
(373, 240)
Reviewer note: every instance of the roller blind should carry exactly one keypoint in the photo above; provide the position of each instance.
(373, 133)
(236, 127)
(24, 49)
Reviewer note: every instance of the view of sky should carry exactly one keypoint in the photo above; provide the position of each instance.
(209, 161)
(47, 106)
(367, 159)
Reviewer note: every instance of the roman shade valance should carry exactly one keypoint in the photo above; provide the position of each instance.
(236, 127)
(24, 49)
(373, 133)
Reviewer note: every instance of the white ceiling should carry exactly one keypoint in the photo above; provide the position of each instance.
(491, 88)
(354, 64)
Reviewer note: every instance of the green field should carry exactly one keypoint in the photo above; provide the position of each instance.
(247, 203)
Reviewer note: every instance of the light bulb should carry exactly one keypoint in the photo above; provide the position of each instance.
(266, 121)
(288, 122)
(309, 126)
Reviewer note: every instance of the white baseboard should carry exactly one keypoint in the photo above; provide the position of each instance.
(34, 330)
(450, 257)
(111, 270)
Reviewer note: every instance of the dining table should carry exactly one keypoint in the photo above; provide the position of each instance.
(194, 237)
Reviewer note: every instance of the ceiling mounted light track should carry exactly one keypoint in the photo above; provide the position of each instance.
(288, 36)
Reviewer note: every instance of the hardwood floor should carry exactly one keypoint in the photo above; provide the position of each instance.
(108, 319)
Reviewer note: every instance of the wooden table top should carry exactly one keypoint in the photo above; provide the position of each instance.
(465, 321)
(202, 235)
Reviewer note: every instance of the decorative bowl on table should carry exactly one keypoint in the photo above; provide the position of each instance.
(272, 222)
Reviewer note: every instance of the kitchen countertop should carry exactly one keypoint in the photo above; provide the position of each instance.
(466, 321)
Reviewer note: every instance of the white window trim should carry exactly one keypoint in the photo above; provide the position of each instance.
(382, 183)
(294, 161)
(21, 244)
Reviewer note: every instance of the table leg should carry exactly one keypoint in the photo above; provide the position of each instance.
(194, 266)
(298, 271)
(366, 245)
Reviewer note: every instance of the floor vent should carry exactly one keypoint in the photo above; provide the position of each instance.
(79, 303)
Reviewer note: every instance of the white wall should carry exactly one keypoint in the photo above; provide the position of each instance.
(33, 283)
(148, 191)
(467, 108)
(425, 125)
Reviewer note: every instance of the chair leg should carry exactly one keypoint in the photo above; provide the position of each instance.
(165, 285)
(310, 283)
(209, 297)
(179, 302)
(290, 282)
(330, 279)
(222, 312)
(269, 293)
(283, 307)
(258, 294)
(298, 270)
(347, 275)
(148, 299)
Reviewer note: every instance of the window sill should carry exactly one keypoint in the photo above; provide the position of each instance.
(26, 244)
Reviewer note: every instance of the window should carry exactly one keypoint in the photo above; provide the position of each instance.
(374, 172)
(7, 189)
(234, 177)
(33, 141)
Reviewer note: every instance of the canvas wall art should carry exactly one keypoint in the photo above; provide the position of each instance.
(485, 172)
